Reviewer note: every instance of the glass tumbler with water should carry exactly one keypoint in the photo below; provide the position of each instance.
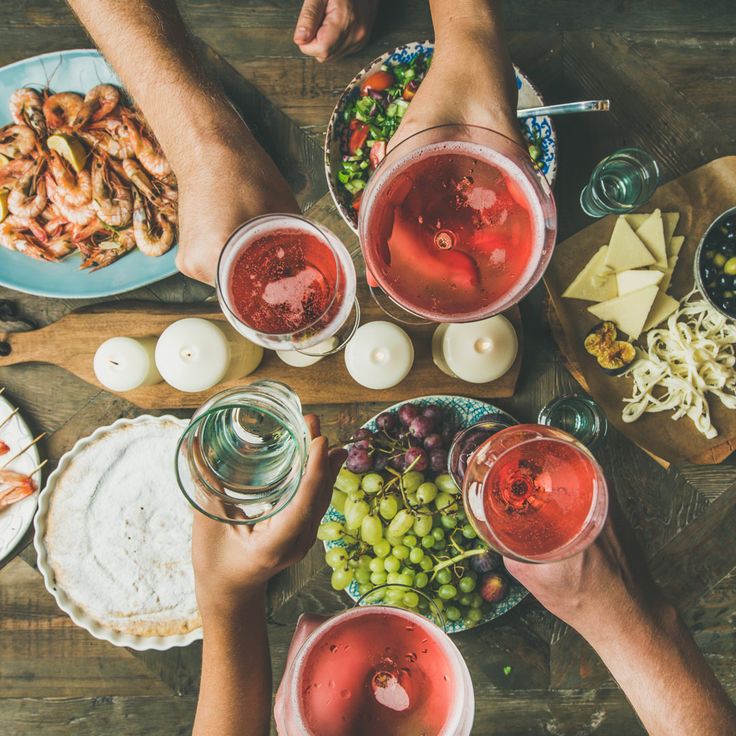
(621, 182)
(242, 457)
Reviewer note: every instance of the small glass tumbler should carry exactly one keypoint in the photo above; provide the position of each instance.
(242, 457)
(577, 415)
(621, 182)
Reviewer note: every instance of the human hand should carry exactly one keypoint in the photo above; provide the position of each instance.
(231, 562)
(609, 578)
(328, 29)
(224, 184)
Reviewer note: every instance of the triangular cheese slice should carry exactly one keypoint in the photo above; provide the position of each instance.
(669, 223)
(664, 284)
(584, 286)
(628, 281)
(662, 308)
(675, 245)
(626, 251)
(651, 233)
(629, 312)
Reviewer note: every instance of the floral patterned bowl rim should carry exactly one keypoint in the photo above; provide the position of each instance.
(466, 412)
(539, 129)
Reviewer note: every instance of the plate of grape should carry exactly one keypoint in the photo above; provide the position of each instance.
(397, 517)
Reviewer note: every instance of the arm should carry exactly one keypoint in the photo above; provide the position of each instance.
(224, 176)
(232, 565)
(617, 608)
(468, 36)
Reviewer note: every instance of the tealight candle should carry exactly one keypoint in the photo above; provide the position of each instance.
(124, 363)
(195, 354)
(379, 355)
(476, 352)
(297, 359)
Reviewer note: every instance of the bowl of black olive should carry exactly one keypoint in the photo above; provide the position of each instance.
(715, 264)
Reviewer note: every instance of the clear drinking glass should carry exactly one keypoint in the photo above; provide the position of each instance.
(307, 280)
(242, 457)
(534, 493)
(578, 415)
(621, 182)
(475, 190)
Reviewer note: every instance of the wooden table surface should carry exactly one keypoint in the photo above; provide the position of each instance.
(669, 71)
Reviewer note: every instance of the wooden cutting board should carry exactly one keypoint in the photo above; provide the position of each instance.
(72, 342)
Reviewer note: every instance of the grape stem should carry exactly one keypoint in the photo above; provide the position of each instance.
(456, 559)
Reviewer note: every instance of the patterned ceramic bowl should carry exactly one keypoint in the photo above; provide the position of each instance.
(538, 130)
(465, 413)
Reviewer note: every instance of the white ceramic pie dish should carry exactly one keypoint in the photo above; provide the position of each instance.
(67, 605)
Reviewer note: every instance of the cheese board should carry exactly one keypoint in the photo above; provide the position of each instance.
(638, 270)
(71, 343)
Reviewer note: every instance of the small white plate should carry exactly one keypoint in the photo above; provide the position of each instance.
(16, 519)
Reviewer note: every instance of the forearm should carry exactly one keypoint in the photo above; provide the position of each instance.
(235, 689)
(654, 659)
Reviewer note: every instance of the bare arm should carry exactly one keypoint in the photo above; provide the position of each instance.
(224, 176)
(607, 596)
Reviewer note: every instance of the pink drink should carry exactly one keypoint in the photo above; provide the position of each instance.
(377, 670)
(534, 493)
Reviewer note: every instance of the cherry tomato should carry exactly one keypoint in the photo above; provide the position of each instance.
(378, 153)
(377, 82)
(357, 201)
(358, 137)
(410, 90)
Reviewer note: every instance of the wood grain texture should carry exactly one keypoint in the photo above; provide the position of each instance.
(668, 68)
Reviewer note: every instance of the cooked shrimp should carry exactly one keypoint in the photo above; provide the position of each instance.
(109, 251)
(75, 189)
(99, 102)
(113, 144)
(154, 234)
(11, 171)
(110, 199)
(148, 152)
(26, 107)
(13, 240)
(81, 233)
(60, 109)
(137, 176)
(60, 246)
(17, 141)
(28, 198)
(27, 223)
(14, 487)
(77, 215)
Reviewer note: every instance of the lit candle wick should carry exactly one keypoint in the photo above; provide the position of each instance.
(483, 345)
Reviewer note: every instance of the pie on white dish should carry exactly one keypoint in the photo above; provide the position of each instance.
(113, 533)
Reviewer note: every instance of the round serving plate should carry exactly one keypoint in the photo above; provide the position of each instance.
(16, 519)
(120, 639)
(539, 131)
(76, 71)
(465, 412)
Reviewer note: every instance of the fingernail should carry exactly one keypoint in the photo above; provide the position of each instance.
(302, 34)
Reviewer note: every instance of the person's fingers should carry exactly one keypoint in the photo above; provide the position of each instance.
(313, 425)
(309, 21)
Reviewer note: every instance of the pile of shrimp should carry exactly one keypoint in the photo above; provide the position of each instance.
(124, 197)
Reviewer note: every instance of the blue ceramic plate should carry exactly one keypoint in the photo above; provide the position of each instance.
(75, 71)
(465, 412)
(538, 130)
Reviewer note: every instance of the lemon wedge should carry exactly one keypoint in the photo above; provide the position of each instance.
(70, 148)
(3, 204)
(4, 160)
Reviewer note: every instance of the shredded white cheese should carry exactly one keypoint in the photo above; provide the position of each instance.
(692, 356)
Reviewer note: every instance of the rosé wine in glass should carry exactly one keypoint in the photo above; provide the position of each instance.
(535, 493)
(456, 225)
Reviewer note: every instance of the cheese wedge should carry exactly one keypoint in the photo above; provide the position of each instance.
(675, 245)
(629, 312)
(628, 281)
(669, 223)
(664, 284)
(662, 308)
(651, 233)
(584, 286)
(626, 251)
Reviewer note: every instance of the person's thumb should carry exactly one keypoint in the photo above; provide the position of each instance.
(309, 21)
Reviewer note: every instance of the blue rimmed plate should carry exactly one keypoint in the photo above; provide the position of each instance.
(464, 412)
(71, 71)
(538, 130)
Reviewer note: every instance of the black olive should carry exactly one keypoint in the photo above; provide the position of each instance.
(730, 235)
(724, 248)
(728, 305)
(724, 282)
(710, 272)
(708, 254)
(730, 224)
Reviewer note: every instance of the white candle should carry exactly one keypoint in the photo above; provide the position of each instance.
(476, 352)
(296, 359)
(194, 355)
(125, 363)
(379, 355)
